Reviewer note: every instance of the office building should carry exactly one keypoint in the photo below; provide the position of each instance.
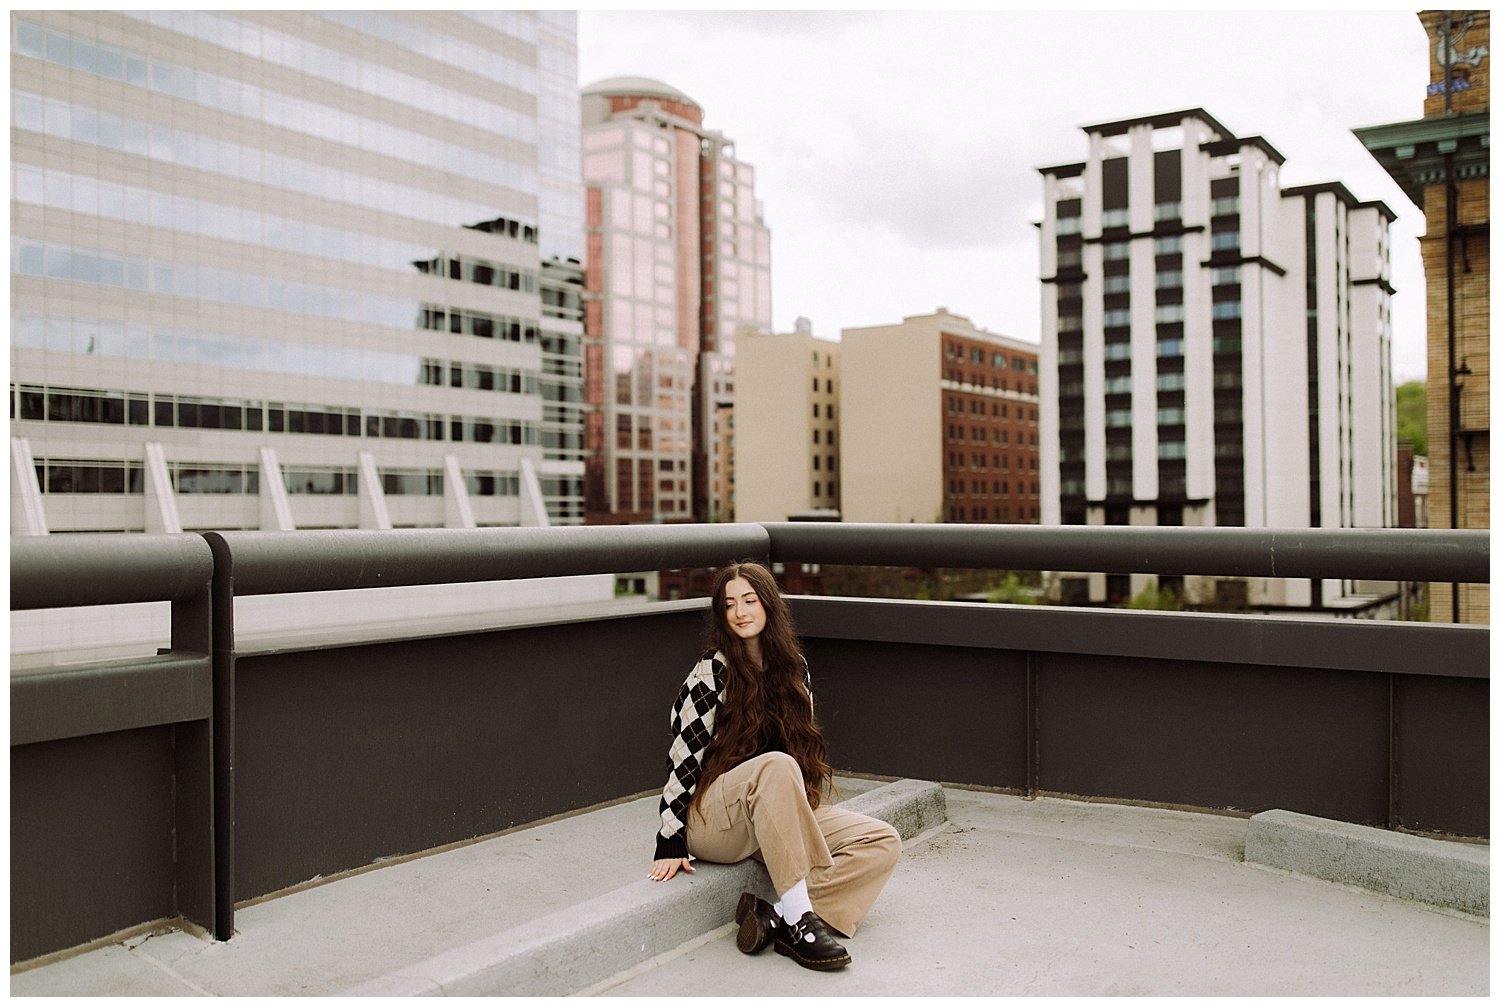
(1442, 163)
(1216, 348)
(938, 422)
(295, 270)
(679, 262)
(786, 438)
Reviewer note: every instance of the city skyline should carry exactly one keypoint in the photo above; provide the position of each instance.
(916, 139)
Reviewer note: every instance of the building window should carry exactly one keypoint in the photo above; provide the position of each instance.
(1169, 246)
(1170, 381)
(1226, 309)
(1117, 317)
(1168, 211)
(1117, 284)
(1169, 450)
(1115, 218)
(1114, 251)
(1226, 240)
(1168, 313)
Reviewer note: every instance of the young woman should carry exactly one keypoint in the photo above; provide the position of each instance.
(746, 776)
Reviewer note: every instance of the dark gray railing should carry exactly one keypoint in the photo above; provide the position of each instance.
(111, 771)
(329, 757)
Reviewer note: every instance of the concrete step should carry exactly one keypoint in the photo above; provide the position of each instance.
(574, 948)
(456, 916)
(1446, 874)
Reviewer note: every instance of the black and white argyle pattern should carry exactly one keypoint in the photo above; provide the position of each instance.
(692, 729)
(693, 718)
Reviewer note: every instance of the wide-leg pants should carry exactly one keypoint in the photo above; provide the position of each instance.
(759, 809)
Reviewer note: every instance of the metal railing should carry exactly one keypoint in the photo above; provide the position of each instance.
(322, 758)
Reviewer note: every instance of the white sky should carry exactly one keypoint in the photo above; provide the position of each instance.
(896, 153)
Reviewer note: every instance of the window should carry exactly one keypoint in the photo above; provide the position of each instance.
(1166, 313)
(1224, 206)
(1117, 418)
(1222, 275)
(1170, 381)
(1169, 279)
(1069, 225)
(1117, 284)
(1168, 211)
(1116, 218)
(1169, 246)
(1227, 309)
(1117, 317)
(1115, 251)
(1226, 240)
(1171, 416)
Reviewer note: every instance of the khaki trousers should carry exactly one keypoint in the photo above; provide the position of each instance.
(759, 809)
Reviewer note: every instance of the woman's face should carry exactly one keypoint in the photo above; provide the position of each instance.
(743, 610)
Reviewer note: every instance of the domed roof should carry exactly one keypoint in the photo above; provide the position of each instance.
(643, 87)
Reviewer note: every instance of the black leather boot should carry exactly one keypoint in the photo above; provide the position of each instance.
(809, 943)
(757, 922)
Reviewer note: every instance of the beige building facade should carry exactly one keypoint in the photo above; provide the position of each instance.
(786, 438)
(938, 423)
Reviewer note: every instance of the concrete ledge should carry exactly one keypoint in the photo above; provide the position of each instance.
(577, 947)
(1440, 873)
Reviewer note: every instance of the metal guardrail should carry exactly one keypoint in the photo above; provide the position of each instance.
(111, 776)
(295, 729)
(1349, 553)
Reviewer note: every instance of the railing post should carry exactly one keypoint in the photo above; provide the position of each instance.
(222, 591)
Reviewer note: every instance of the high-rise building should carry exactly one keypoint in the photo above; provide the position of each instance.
(295, 270)
(679, 262)
(1216, 349)
(938, 422)
(786, 437)
(1442, 163)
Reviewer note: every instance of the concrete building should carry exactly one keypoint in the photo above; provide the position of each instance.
(1442, 163)
(1216, 349)
(787, 430)
(938, 422)
(679, 262)
(295, 270)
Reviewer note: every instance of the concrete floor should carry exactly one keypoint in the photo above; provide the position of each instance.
(1058, 898)
(1011, 897)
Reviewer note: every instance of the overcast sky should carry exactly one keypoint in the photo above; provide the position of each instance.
(896, 153)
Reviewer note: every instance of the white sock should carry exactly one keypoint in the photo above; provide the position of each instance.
(794, 903)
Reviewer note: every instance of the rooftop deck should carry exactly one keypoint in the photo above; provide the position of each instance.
(1009, 897)
(212, 786)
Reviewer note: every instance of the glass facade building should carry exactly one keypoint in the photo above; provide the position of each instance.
(679, 262)
(337, 254)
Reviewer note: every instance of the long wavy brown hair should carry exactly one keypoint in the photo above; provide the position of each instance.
(766, 701)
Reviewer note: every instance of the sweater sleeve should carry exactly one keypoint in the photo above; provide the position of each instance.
(692, 729)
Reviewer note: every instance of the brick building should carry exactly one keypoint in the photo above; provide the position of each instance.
(938, 423)
(1441, 162)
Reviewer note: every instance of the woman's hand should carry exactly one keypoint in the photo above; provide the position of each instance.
(664, 870)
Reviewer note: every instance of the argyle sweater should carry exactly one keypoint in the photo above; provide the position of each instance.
(693, 717)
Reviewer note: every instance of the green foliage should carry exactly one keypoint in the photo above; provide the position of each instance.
(1011, 591)
(1162, 599)
(1411, 415)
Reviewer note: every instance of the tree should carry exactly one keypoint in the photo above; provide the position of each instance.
(1411, 415)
